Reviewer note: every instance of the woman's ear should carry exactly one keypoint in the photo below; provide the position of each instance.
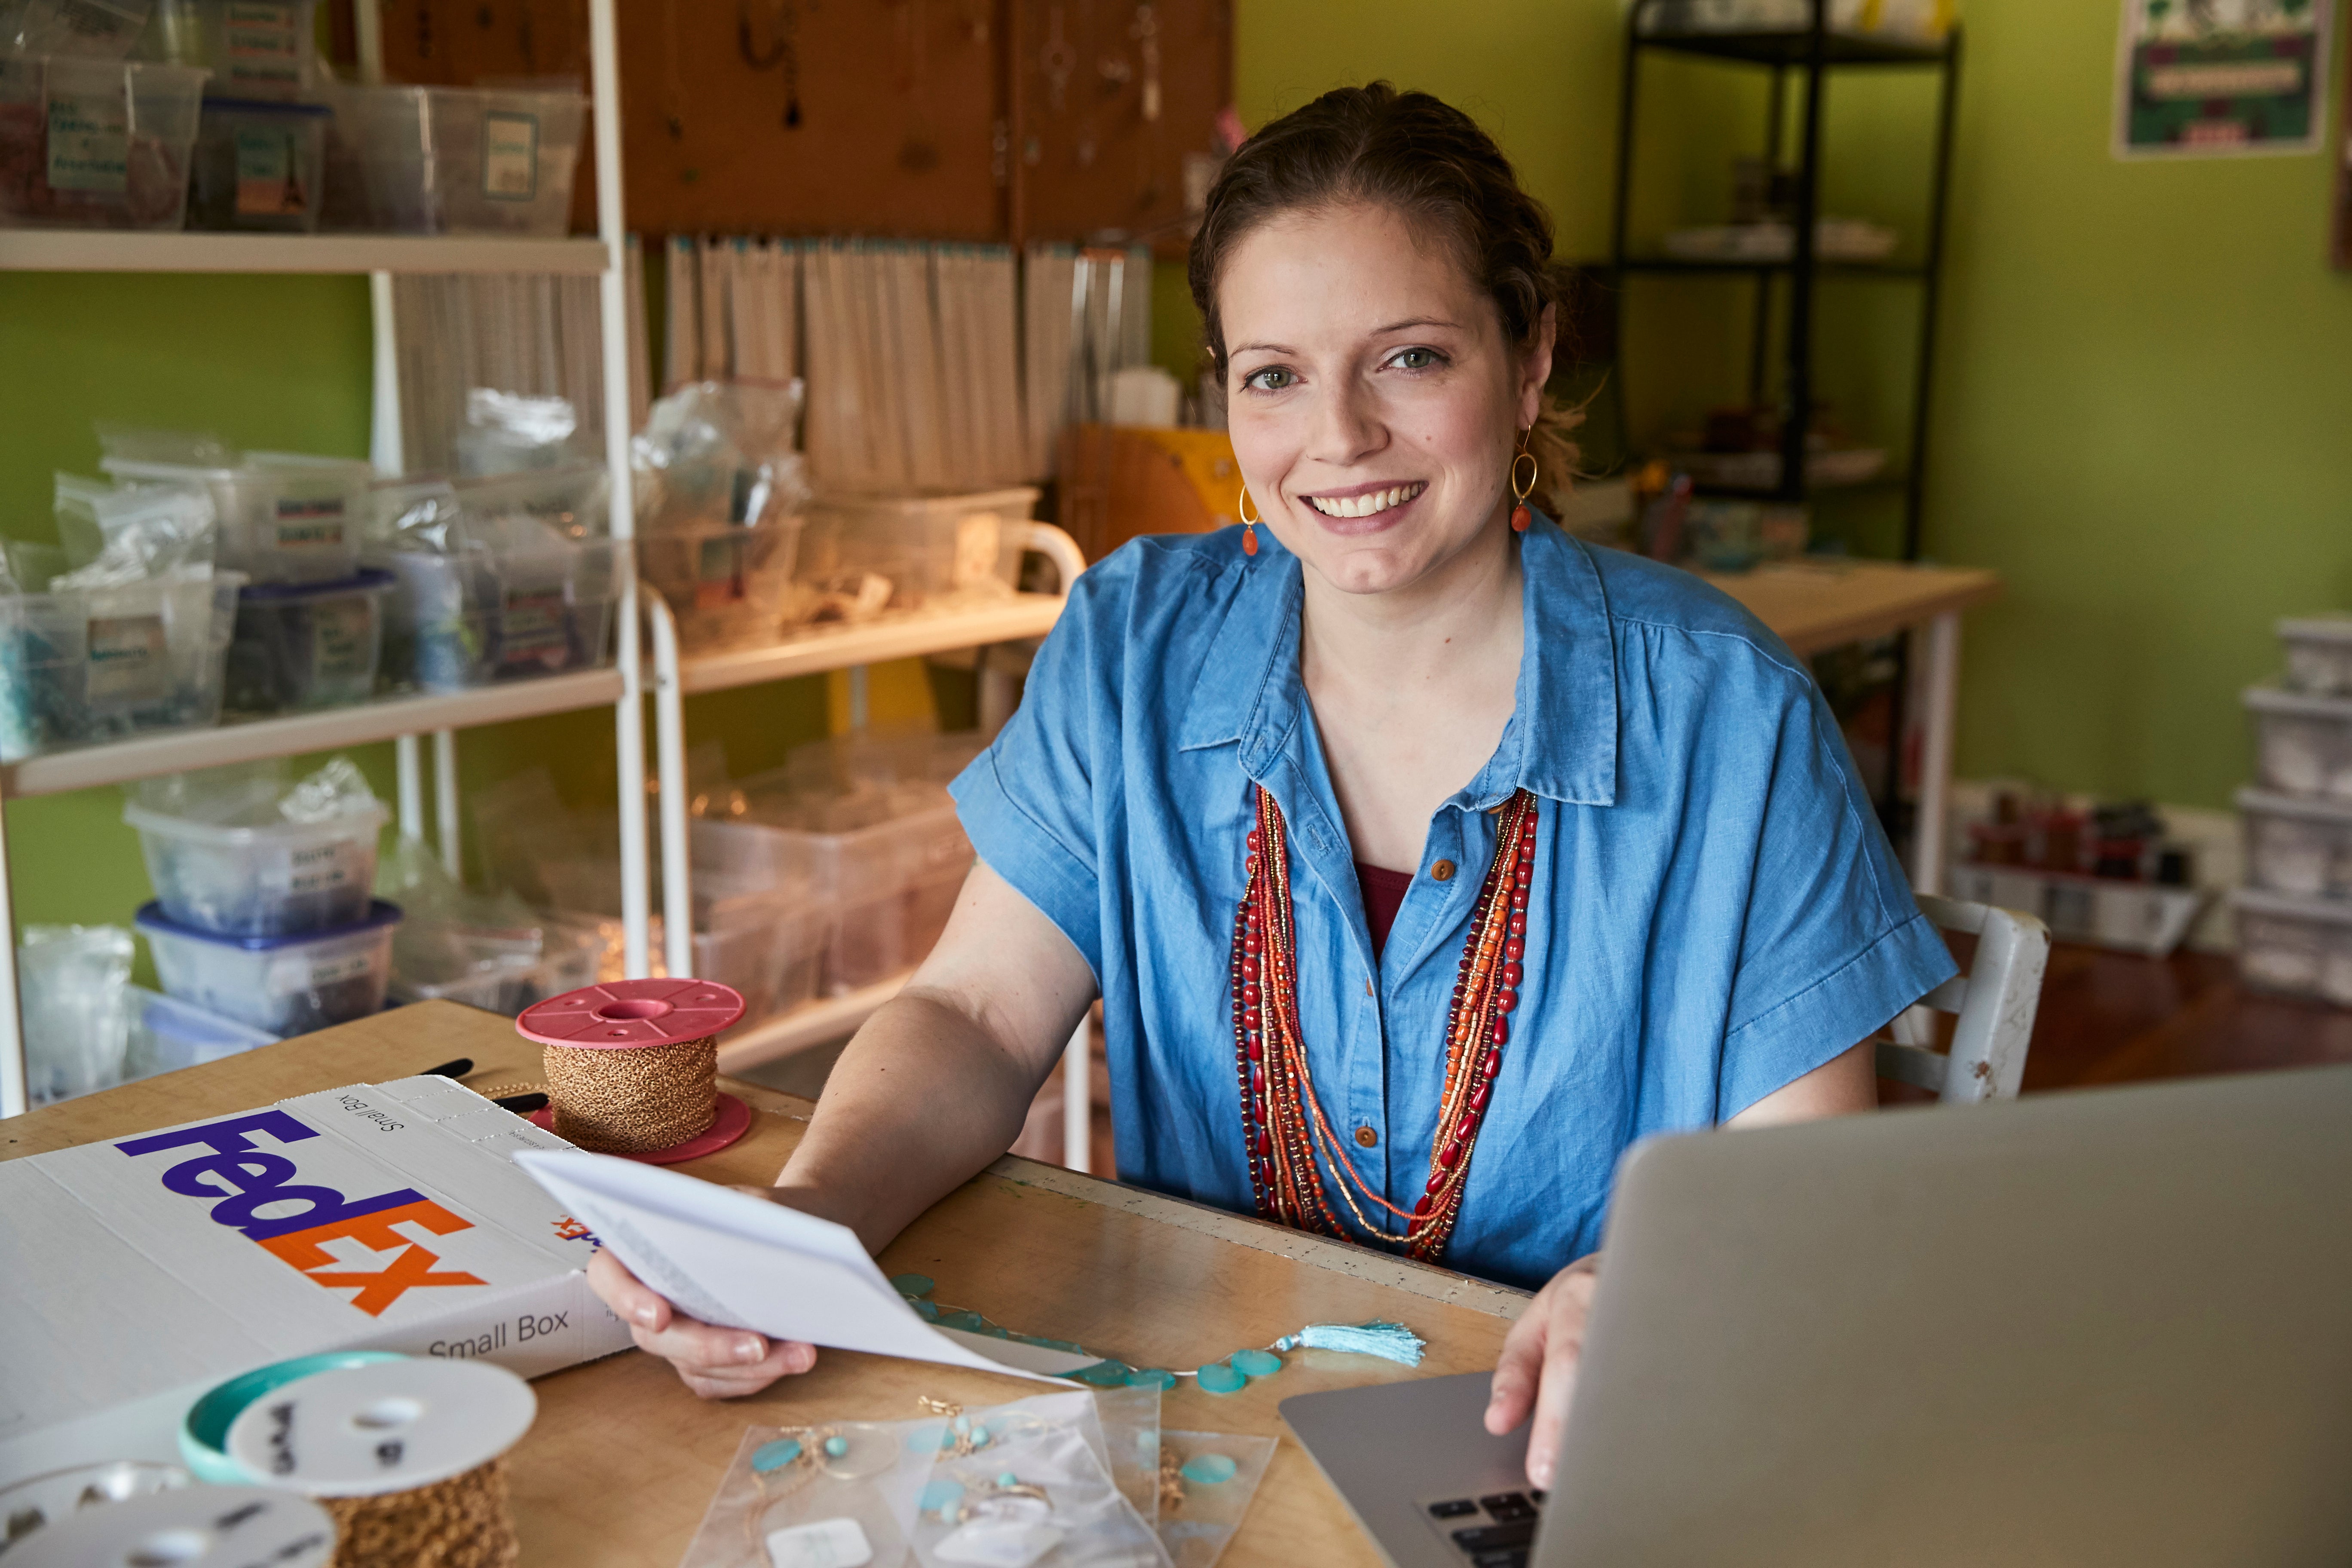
(1534, 368)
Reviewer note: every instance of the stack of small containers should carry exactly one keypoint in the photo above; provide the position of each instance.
(2294, 916)
(259, 918)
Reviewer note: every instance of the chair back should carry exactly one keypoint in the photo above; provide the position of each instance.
(1995, 1002)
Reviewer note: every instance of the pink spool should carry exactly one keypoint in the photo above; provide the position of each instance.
(633, 1014)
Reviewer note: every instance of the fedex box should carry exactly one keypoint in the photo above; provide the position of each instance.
(138, 1272)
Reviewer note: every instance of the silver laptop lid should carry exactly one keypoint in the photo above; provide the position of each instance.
(2109, 1326)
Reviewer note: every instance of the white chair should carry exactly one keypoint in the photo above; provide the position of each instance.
(1995, 1001)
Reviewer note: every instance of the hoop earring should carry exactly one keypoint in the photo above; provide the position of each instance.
(1249, 524)
(1520, 515)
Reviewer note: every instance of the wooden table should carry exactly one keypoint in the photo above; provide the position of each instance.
(623, 1460)
(1818, 603)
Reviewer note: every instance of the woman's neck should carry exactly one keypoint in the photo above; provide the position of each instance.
(1461, 618)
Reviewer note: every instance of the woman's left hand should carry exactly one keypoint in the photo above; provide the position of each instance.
(1537, 1369)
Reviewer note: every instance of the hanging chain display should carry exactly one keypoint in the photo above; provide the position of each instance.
(1283, 1120)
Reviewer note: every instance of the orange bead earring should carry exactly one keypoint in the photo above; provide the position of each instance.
(1520, 489)
(1249, 525)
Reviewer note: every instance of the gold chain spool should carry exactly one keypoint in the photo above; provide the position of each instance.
(465, 1521)
(632, 1067)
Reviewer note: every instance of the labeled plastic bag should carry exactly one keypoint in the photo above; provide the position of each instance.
(92, 29)
(822, 1496)
(1130, 1431)
(508, 432)
(118, 536)
(417, 515)
(1036, 1484)
(720, 455)
(1206, 1482)
(76, 1030)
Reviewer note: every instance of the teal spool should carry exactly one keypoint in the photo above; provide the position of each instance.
(1256, 1363)
(769, 1458)
(1218, 1378)
(1208, 1469)
(204, 1433)
(911, 1285)
(1150, 1377)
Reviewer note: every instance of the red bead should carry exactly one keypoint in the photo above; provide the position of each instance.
(1436, 1180)
(1491, 1065)
(1249, 1019)
(1251, 946)
(1249, 864)
(1250, 925)
(1526, 849)
(1256, 1050)
(1249, 995)
(1515, 949)
(1479, 1096)
(1249, 968)
(1519, 899)
(1519, 926)
(1257, 1079)
(1526, 875)
(1506, 1000)
(1265, 1143)
(1513, 975)
(1251, 838)
(1520, 517)
(1502, 1031)
(1422, 1208)
(1447, 1155)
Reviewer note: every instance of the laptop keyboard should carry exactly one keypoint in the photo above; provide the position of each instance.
(1494, 1531)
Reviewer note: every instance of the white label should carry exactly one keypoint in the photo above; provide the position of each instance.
(326, 972)
(826, 1544)
(89, 141)
(978, 542)
(510, 156)
(129, 660)
(262, 42)
(342, 634)
(318, 869)
(308, 525)
(531, 630)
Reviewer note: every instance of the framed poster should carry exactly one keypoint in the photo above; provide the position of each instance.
(2220, 78)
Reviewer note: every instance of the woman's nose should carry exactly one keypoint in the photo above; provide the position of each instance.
(1347, 428)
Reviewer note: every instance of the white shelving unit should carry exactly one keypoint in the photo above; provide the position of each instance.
(401, 719)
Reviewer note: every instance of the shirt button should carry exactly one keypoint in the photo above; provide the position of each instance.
(1366, 1137)
(1442, 871)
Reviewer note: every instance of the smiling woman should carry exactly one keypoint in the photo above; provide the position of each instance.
(1423, 859)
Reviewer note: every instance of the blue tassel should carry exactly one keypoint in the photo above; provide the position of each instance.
(1390, 1341)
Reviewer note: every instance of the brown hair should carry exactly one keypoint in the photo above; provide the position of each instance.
(1419, 157)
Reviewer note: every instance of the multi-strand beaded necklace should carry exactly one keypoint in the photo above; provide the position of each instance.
(1281, 1118)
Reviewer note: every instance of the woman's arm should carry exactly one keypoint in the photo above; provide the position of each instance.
(1537, 1369)
(933, 1088)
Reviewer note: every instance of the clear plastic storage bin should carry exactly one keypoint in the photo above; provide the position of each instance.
(455, 160)
(475, 618)
(2303, 744)
(2302, 946)
(255, 48)
(2318, 654)
(286, 984)
(760, 937)
(283, 517)
(98, 664)
(277, 879)
(2298, 847)
(300, 647)
(932, 550)
(92, 144)
(167, 1034)
(727, 587)
(260, 165)
(498, 970)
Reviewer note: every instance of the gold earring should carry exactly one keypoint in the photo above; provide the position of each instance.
(1249, 524)
(1520, 489)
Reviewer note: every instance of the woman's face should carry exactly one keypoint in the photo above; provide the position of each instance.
(1373, 400)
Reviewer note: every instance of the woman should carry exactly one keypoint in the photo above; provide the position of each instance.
(1422, 857)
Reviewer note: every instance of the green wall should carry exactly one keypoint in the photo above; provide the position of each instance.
(2140, 401)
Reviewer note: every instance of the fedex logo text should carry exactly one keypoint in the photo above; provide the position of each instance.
(243, 1180)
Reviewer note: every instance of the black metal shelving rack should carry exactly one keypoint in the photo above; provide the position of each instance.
(1808, 54)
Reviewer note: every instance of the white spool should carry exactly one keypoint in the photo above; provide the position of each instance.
(364, 1431)
(201, 1527)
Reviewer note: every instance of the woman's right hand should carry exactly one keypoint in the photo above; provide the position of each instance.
(715, 1362)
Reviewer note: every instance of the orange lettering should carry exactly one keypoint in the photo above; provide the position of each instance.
(412, 1269)
(406, 1272)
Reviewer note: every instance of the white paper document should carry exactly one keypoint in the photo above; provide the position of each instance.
(729, 1258)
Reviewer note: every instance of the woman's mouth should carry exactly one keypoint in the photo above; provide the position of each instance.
(1367, 503)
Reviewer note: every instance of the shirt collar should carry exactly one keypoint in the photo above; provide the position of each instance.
(1562, 741)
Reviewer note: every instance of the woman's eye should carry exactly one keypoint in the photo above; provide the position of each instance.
(1415, 359)
(1273, 378)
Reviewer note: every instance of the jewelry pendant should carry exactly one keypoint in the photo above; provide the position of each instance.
(1520, 517)
(1249, 540)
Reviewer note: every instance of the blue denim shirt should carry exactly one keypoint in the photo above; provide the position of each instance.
(1714, 911)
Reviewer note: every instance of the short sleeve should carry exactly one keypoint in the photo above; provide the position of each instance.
(1028, 803)
(1833, 944)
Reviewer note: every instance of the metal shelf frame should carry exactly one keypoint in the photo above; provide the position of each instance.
(403, 719)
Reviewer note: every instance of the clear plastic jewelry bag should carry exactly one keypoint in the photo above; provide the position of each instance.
(1037, 1490)
(826, 1495)
(1206, 1482)
(1130, 1431)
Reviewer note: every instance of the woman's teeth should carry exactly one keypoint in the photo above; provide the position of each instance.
(1365, 505)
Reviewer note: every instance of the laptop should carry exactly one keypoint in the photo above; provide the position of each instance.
(2090, 1328)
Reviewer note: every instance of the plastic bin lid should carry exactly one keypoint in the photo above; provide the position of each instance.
(268, 106)
(2335, 626)
(2272, 699)
(381, 913)
(370, 580)
(2310, 808)
(629, 1014)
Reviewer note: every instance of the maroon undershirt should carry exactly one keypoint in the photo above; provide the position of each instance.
(1383, 892)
